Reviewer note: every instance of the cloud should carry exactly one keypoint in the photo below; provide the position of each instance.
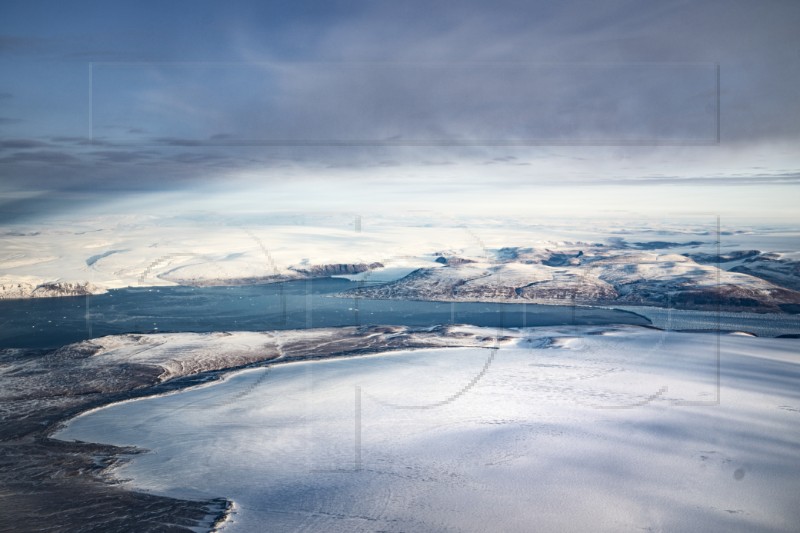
(606, 72)
(196, 158)
(21, 144)
(47, 157)
(786, 178)
(758, 73)
(413, 104)
(380, 91)
(175, 141)
(82, 141)
(123, 156)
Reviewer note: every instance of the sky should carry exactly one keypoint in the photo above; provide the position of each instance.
(475, 107)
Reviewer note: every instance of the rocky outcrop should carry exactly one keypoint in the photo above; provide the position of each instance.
(767, 266)
(561, 259)
(712, 259)
(10, 289)
(453, 260)
(577, 290)
(339, 269)
(47, 290)
(597, 277)
(782, 272)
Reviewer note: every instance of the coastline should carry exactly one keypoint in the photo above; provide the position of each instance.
(45, 477)
(572, 387)
(78, 289)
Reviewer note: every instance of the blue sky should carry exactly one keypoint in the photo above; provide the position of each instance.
(579, 106)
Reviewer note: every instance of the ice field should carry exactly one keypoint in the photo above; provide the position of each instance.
(568, 428)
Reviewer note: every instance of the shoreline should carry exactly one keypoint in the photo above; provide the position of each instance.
(88, 290)
(73, 481)
(176, 476)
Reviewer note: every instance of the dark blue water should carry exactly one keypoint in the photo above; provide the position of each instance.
(53, 322)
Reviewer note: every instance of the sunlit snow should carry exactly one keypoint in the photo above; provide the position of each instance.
(563, 429)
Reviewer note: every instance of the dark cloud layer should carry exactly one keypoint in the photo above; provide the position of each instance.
(21, 143)
(156, 95)
(414, 104)
(47, 157)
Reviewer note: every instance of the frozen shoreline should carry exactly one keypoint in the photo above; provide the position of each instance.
(41, 389)
(581, 397)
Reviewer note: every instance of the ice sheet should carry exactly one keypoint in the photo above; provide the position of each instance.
(567, 429)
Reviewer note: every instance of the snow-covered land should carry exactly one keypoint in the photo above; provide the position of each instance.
(554, 429)
(596, 276)
(57, 486)
(677, 266)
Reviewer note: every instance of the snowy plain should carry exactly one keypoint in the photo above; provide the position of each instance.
(567, 428)
(104, 252)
